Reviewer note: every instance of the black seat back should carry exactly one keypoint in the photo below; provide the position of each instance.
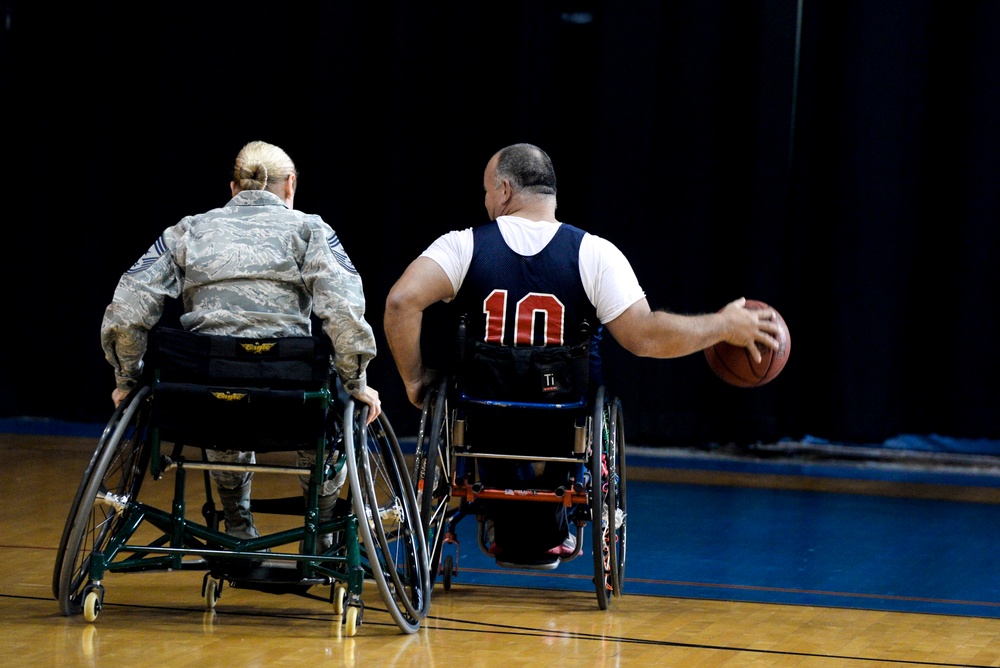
(529, 374)
(225, 392)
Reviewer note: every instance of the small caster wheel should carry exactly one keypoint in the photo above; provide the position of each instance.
(447, 569)
(352, 620)
(339, 594)
(91, 605)
(211, 590)
(212, 593)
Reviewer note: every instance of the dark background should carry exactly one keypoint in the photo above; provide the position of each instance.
(837, 159)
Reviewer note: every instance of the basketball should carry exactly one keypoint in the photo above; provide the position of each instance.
(734, 364)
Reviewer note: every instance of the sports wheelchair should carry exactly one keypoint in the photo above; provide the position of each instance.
(522, 408)
(266, 395)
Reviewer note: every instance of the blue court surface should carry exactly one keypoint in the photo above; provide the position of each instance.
(786, 546)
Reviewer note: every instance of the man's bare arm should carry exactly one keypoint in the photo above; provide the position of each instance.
(661, 334)
(422, 284)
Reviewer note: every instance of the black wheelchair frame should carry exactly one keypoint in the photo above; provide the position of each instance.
(378, 534)
(448, 488)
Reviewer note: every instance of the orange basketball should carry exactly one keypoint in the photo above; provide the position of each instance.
(735, 366)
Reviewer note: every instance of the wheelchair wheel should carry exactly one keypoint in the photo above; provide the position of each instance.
(606, 498)
(97, 514)
(432, 471)
(616, 497)
(598, 501)
(109, 431)
(389, 522)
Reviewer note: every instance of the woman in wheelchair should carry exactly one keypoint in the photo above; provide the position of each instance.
(255, 267)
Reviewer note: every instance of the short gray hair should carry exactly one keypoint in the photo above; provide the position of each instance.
(528, 169)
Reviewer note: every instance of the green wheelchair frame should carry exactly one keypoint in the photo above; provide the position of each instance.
(377, 530)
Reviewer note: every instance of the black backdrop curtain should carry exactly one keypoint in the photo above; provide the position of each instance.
(836, 159)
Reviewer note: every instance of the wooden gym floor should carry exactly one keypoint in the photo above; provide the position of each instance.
(726, 567)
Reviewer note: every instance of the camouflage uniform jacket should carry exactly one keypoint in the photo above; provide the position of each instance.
(252, 268)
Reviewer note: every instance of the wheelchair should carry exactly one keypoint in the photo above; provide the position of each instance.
(266, 395)
(523, 407)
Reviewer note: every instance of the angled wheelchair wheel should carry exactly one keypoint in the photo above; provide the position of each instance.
(616, 512)
(109, 431)
(599, 489)
(111, 482)
(432, 471)
(389, 522)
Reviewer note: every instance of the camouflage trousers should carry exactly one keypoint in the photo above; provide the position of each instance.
(234, 479)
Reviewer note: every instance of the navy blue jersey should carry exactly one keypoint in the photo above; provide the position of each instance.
(515, 300)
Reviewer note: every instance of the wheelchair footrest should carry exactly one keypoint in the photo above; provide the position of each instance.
(541, 563)
(268, 576)
(272, 587)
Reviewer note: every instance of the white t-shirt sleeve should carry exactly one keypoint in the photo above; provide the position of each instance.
(608, 278)
(453, 253)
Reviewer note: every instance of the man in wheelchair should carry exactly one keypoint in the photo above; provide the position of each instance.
(255, 267)
(527, 280)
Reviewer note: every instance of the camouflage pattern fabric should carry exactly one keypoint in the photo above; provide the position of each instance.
(253, 268)
(304, 458)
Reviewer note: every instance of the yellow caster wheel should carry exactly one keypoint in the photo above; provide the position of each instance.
(91, 606)
(339, 594)
(351, 621)
(212, 591)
